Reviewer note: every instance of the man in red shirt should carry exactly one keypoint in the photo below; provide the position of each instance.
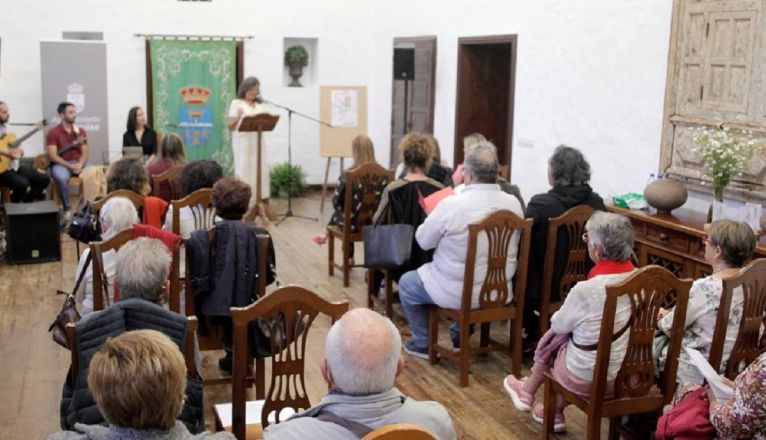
(67, 150)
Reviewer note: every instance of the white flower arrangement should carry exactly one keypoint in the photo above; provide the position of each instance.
(724, 153)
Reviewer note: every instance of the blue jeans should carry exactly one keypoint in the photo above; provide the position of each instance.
(61, 175)
(416, 301)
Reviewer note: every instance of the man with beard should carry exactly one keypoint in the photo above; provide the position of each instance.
(26, 184)
(67, 151)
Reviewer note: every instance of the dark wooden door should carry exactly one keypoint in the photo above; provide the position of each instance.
(420, 90)
(485, 92)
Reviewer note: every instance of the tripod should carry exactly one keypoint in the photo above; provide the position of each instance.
(289, 212)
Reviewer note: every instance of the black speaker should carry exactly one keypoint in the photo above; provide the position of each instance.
(32, 232)
(404, 63)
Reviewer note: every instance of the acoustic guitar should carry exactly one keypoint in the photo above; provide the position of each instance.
(9, 142)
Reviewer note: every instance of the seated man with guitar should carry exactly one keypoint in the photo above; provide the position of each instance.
(67, 151)
(26, 184)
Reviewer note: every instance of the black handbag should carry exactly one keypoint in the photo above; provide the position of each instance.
(85, 225)
(68, 313)
(387, 246)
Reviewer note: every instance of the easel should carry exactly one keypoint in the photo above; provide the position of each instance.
(326, 176)
(258, 123)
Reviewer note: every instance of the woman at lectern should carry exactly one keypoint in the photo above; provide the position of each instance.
(244, 145)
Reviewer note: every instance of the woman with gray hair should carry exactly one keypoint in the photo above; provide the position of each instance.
(568, 175)
(568, 349)
(117, 215)
(245, 145)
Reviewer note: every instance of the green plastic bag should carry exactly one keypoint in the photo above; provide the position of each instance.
(630, 201)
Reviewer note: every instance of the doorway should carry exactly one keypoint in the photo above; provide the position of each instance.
(412, 106)
(486, 79)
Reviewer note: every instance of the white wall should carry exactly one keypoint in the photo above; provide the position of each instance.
(590, 73)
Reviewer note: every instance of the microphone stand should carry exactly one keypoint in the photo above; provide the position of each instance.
(289, 212)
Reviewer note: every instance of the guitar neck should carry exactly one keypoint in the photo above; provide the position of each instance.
(26, 136)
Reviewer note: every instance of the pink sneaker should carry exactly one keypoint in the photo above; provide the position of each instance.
(521, 399)
(319, 239)
(559, 423)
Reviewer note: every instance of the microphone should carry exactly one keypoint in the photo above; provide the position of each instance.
(259, 99)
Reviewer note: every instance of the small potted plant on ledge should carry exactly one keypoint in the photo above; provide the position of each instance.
(724, 153)
(296, 58)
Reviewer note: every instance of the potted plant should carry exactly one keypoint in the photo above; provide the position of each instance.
(296, 58)
(287, 179)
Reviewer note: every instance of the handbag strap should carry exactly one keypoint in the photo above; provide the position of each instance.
(79, 277)
(594, 347)
(104, 279)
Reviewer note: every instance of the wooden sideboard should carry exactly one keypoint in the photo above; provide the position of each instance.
(673, 241)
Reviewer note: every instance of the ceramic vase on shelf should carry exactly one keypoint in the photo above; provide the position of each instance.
(296, 71)
(665, 195)
(717, 197)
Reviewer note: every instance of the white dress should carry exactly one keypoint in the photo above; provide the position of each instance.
(245, 145)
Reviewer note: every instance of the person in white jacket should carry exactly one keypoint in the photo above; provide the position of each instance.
(446, 230)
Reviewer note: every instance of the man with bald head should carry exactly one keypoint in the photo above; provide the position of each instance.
(362, 361)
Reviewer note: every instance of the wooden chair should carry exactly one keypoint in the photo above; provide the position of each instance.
(290, 311)
(55, 197)
(100, 290)
(749, 343)
(399, 431)
(635, 390)
(137, 199)
(171, 177)
(200, 204)
(500, 228)
(568, 227)
(371, 178)
(6, 194)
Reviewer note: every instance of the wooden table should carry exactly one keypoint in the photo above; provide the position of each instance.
(673, 241)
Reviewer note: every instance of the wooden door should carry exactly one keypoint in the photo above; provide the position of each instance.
(418, 113)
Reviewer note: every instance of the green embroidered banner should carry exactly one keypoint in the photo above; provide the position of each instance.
(193, 83)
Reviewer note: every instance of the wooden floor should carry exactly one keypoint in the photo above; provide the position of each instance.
(33, 368)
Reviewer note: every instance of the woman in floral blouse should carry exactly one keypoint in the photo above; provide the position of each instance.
(362, 152)
(743, 416)
(728, 247)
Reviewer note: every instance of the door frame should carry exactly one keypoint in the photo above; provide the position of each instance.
(511, 39)
(418, 39)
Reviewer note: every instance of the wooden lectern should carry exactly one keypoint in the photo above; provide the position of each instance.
(258, 123)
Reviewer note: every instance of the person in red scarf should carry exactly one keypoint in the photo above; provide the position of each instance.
(568, 349)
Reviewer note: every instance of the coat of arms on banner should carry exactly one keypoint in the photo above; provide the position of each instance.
(76, 95)
(196, 116)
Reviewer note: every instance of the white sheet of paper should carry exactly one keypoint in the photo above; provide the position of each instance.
(344, 108)
(753, 215)
(721, 390)
(253, 409)
(719, 210)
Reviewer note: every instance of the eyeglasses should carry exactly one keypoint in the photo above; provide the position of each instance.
(708, 240)
(585, 238)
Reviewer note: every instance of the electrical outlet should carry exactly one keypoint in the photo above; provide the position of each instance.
(526, 143)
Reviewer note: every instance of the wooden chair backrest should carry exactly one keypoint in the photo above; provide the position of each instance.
(171, 176)
(201, 204)
(572, 225)
(748, 345)
(372, 179)
(646, 291)
(97, 249)
(400, 431)
(290, 311)
(503, 172)
(137, 199)
(188, 349)
(499, 228)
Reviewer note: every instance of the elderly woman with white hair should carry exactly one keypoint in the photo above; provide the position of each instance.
(117, 215)
(362, 360)
(568, 349)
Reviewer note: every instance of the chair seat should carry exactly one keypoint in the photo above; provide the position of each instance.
(337, 232)
(253, 408)
(479, 316)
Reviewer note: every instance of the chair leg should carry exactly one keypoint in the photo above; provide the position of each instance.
(346, 267)
(370, 289)
(389, 295)
(330, 254)
(544, 307)
(465, 353)
(614, 433)
(484, 335)
(260, 378)
(549, 409)
(433, 334)
(516, 342)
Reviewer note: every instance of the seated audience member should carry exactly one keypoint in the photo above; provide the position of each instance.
(138, 382)
(743, 416)
(568, 174)
(128, 174)
(197, 175)
(222, 272)
(362, 152)
(143, 266)
(446, 230)
(139, 134)
(170, 153)
(117, 215)
(438, 170)
(362, 361)
(728, 247)
(399, 202)
(566, 350)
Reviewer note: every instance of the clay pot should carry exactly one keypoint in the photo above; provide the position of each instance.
(665, 195)
(295, 71)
